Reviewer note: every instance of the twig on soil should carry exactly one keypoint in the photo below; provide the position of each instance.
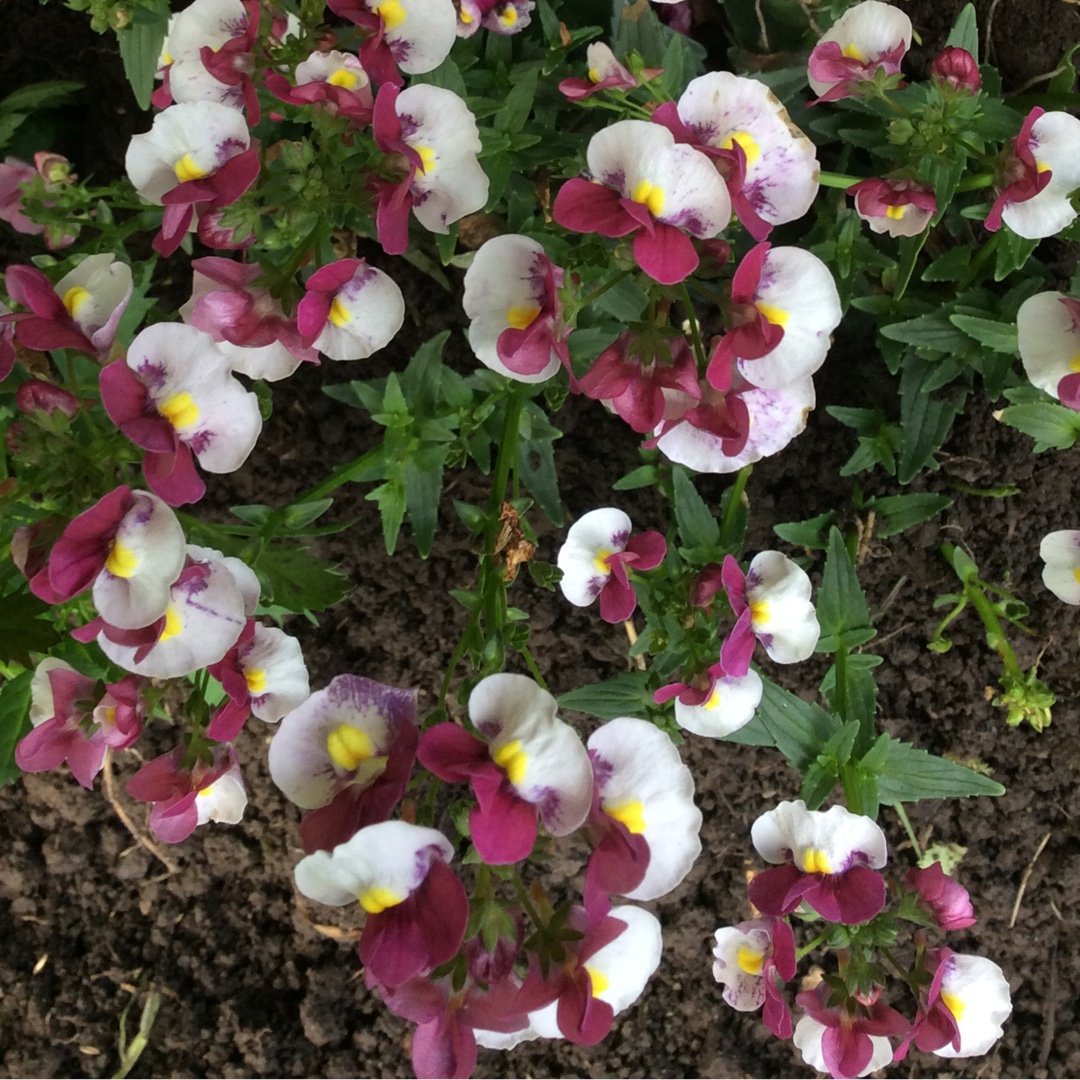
(761, 24)
(988, 51)
(889, 600)
(122, 814)
(631, 633)
(1050, 1007)
(1024, 880)
(335, 933)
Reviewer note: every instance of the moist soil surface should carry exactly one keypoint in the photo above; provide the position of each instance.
(255, 982)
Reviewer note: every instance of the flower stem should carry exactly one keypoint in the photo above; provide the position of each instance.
(838, 180)
(901, 813)
(800, 953)
(695, 333)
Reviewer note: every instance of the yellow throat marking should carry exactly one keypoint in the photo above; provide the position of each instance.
(895, 213)
(745, 140)
(339, 315)
(509, 15)
(122, 561)
(521, 318)
(954, 1004)
(631, 814)
(186, 170)
(180, 410)
(348, 746)
(599, 980)
(256, 680)
(759, 612)
(428, 159)
(173, 624)
(750, 960)
(74, 299)
(776, 315)
(815, 861)
(512, 760)
(650, 195)
(344, 78)
(378, 898)
(853, 52)
(392, 13)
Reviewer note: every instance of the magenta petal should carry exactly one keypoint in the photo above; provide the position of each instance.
(312, 313)
(852, 897)
(649, 547)
(667, 256)
(80, 553)
(1069, 391)
(776, 1015)
(846, 1051)
(330, 278)
(503, 827)
(175, 820)
(585, 207)
(770, 890)
(226, 723)
(235, 177)
(45, 334)
(452, 753)
(392, 216)
(122, 394)
(442, 912)
(734, 581)
(583, 1018)
(173, 477)
(738, 647)
(617, 601)
(85, 757)
(616, 867)
(444, 1047)
(44, 747)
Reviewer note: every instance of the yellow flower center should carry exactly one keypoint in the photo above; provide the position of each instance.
(378, 899)
(601, 561)
(521, 318)
(348, 746)
(1076, 574)
(74, 299)
(631, 814)
(344, 78)
(853, 52)
(206, 792)
(256, 680)
(954, 1004)
(1074, 364)
(122, 561)
(465, 17)
(713, 701)
(749, 146)
(392, 13)
(650, 195)
(186, 170)
(750, 960)
(776, 315)
(759, 612)
(1042, 166)
(166, 58)
(599, 980)
(594, 75)
(427, 159)
(509, 15)
(109, 715)
(895, 213)
(180, 410)
(815, 861)
(339, 315)
(173, 624)
(512, 760)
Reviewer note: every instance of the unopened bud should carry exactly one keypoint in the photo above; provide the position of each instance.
(957, 68)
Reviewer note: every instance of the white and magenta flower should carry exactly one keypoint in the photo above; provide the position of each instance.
(867, 37)
(335, 80)
(716, 703)
(646, 185)
(784, 308)
(942, 896)
(644, 810)
(130, 547)
(1060, 551)
(345, 755)
(1048, 338)
(956, 68)
(186, 795)
(414, 35)
(772, 604)
(896, 207)
(597, 556)
(196, 158)
(81, 311)
(176, 397)
(1040, 173)
(748, 961)
(769, 165)
(437, 140)
(605, 73)
(511, 299)
(416, 906)
(531, 764)
(830, 859)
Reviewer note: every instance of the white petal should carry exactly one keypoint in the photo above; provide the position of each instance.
(631, 959)
(589, 541)
(807, 1038)
(371, 310)
(1063, 582)
(224, 800)
(615, 153)
(732, 706)
(41, 695)
(696, 198)
(423, 39)
(784, 619)
(268, 362)
(742, 991)
(1061, 548)
(872, 28)
(280, 660)
(108, 284)
(1054, 142)
(636, 762)
(790, 831)
(1047, 340)
(980, 986)
(205, 22)
(246, 580)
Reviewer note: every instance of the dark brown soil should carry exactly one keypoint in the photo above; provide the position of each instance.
(251, 986)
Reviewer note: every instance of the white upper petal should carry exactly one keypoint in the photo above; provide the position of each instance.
(636, 762)
(784, 619)
(392, 855)
(872, 27)
(589, 540)
(790, 832)
(1061, 574)
(980, 987)
(280, 659)
(731, 706)
(224, 800)
(41, 695)
(108, 284)
(1047, 341)
(1055, 142)
(372, 311)
(631, 959)
(205, 22)
(423, 39)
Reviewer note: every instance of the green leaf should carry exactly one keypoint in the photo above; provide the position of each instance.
(952, 266)
(40, 95)
(300, 514)
(252, 513)
(14, 722)
(799, 729)
(423, 488)
(811, 533)
(421, 378)
(296, 580)
(965, 32)
(842, 610)
(624, 301)
(536, 467)
(1001, 337)
(1052, 426)
(697, 526)
(932, 331)
(140, 47)
(546, 575)
(895, 513)
(1013, 253)
(624, 695)
(909, 775)
(24, 629)
(643, 476)
(391, 501)
(925, 421)
(517, 105)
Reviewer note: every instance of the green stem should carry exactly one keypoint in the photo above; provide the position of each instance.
(901, 813)
(734, 502)
(695, 333)
(995, 632)
(531, 664)
(585, 301)
(526, 903)
(838, 180)
(800, 953)
(973, 183)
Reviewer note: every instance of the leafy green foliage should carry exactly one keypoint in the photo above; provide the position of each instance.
(140, 47)
(14, 722)
(623, 695)
(908, 775)
(699, 531)
(841, 604)
(25, 627)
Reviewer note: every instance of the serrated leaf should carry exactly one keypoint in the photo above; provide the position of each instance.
(954, 265)
(1052, 426)
(140, 45)
(697, 527)
(999, 336)
(39, 95)
(798, 729)
(624, 695)
(909, 775)
(421, 378)
(14, 722)
(536, 467)
(925, 421)
(390, 498)
(932, 331)
(297, 580)
(811, 533)
(642, 476)
(301, 514)
(965, 31)
(842, 610)
(895, 513)
(423, 489)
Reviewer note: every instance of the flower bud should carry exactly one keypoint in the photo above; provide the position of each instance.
(958, 68)
(36, 395)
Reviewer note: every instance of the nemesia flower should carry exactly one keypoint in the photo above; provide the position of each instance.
(120, 713)
(1061, 575)
(197, 157)
(15, 172)
(646, 184)
(334, 79)
(414, 35)
(945, 898)
(416, 906)
(596, 557)
(896, 207)
(175, 396)
(438, 141)
(605, 73)
(716, 703)
(82, 311)
(831, 861)
(604, 973)
(1048, 339)
(349, 310)
(508, 16)
(643, 801)
(30, 547)
(749, 958)
(784, 308)
(633, 384)
(61, 699)
(532, 764)
(247, 322)
(769, 165)
(264, 675)
(1040, 173)
(966, 1004)
(512, 303)
(130, 547)
(956, 68)
(185, 797)
(208, 608)
(771, 603)
(848, 1040)
(345, 755)
(725, 430)
(868, 36)
(36, 396)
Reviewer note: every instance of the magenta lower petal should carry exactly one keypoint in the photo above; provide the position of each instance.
(444, 1047)
(846, 1051)
(44, 747)
(452, 753)
(738, 646)
(617, 601)
(585, 207)
(667, 256)
(173, 477)
(503, 826)
(616, 867)
(583, 1018)
(770, 890)
(852, 897)
(174, 820)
